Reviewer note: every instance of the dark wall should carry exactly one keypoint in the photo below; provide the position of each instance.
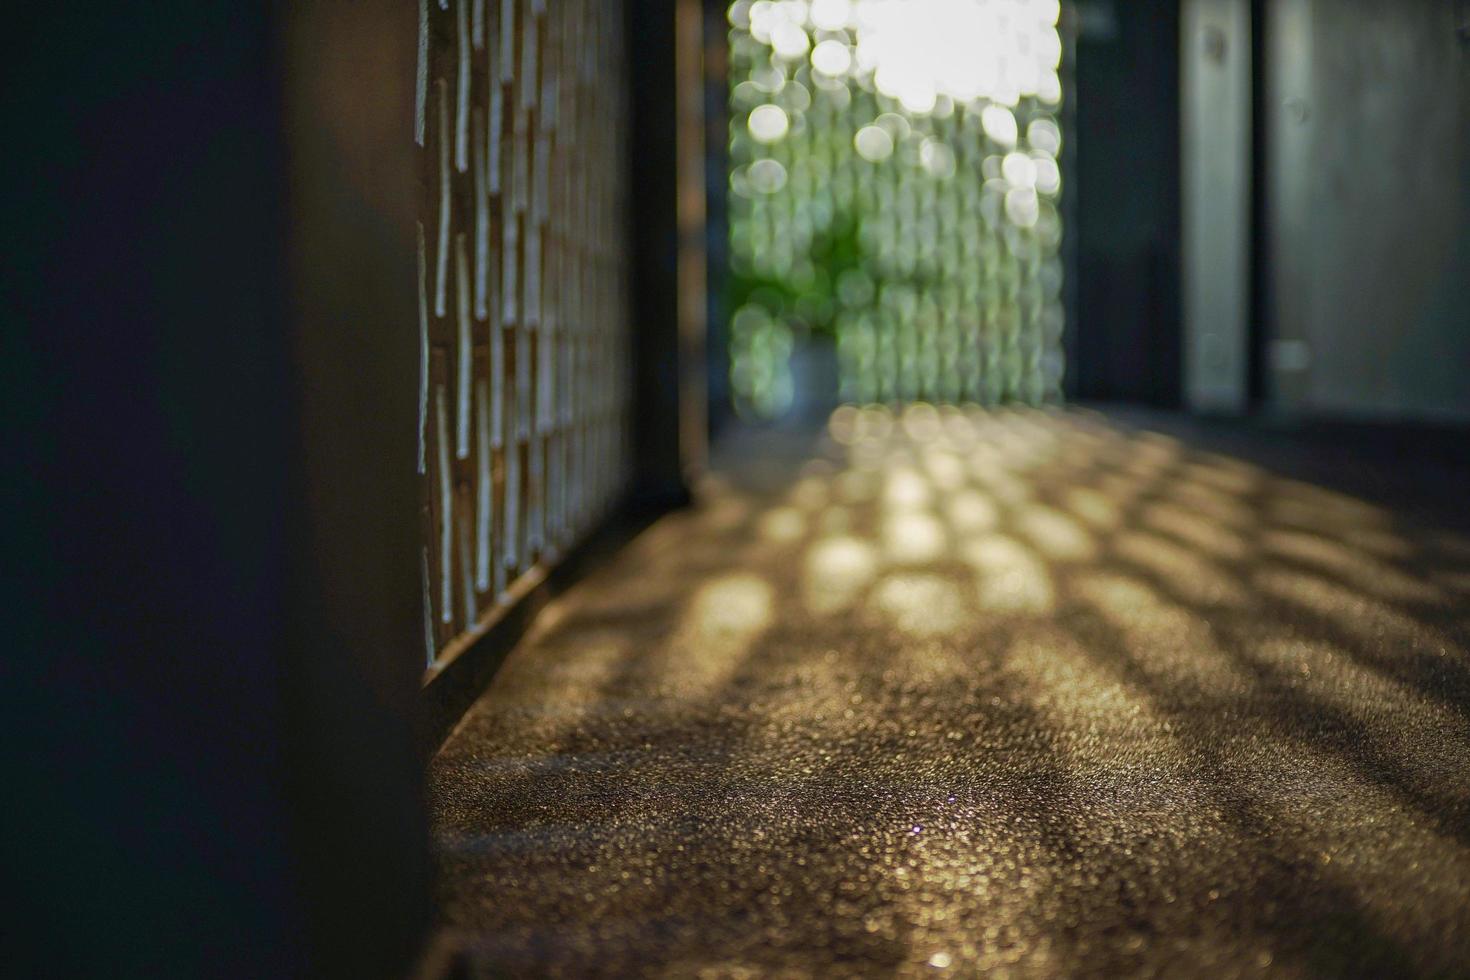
(354, 623)
(1367, 208)
(717, 225)
(146, 408)
(654, 252)
(1127, 336)
(176, 620)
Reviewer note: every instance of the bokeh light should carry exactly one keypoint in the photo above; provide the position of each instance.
(894, 184)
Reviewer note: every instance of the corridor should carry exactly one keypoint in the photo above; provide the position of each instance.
(737, 488)
(1031, 693)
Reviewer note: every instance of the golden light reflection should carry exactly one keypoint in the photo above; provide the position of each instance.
(575, 677)
(1215, 505)
(838, 569)
(1194, 578)
(1195, 530)
(1353, 610)
(1189, 642)
(1119, 490)
(1003, 485)
(1371, 576)
(724, 511)
(724, 619)
(1163, 639)
(921, 605)
(1054, 534)
(970, 511)
(1229, 475)
(810, 493)
(834, 520)
(913, 538)
(920, 422)
(1094, 507)
(1151, 452)
(1391, 713)
(1009, 576)
(732, 607)
(1076, 692)
(1382, 542)
(856, 487)
(946, 469)
(782, 525)
(1044, 511)
(906, 488)
(842, 426)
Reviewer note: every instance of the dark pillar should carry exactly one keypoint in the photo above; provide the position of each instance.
(1126, 128)
(355, 623)
(662, 369)
(208, 357)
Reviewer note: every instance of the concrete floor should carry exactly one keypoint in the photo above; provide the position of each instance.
(1029, 694)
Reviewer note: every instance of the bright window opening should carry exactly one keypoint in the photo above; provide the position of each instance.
(894, 191)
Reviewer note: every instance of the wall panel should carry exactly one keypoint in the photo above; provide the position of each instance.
(1368, 191)
(521, 124)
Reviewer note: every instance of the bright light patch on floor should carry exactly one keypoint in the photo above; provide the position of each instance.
(1010, 578)
(921, 605)
(725, 618)
(1054, 534)
(906, 489)
(782, 524)
(970, 510)
(913, 538)
(837, 570)
(735, 605)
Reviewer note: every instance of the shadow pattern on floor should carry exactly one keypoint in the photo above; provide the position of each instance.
(1032, 693)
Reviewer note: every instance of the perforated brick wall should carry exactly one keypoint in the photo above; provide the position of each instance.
(523, 309)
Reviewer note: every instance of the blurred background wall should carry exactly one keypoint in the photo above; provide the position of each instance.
(1355, 117)
(1366, 135)
(1127, 340)
(1216, 159)
(1264, 206)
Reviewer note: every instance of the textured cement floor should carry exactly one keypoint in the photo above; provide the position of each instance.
(1024, 694)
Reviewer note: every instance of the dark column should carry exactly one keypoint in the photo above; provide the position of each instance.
(661, 369)
(1126, 128)
(717, 229)
(355, 624)
(209, 515)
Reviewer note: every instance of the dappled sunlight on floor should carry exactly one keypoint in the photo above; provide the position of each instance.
(973, 691)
